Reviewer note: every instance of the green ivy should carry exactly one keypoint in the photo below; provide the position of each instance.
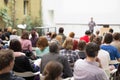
(5, 17)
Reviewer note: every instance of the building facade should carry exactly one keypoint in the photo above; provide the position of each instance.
(19, 10)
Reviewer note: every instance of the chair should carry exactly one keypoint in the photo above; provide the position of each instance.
(27, 75)
(116, 74)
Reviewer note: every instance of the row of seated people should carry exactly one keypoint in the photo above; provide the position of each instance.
(67, 51)
(87, 69)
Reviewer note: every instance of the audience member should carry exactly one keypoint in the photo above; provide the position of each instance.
(75, 42)
(42, 47)
(111, 30)
(6, 65)
(81, 49)
(26, 44)
(86, 36)
(68, 51)
(55, 56)
(33, 38)
(14, 34)
(113, 52)
(22, 63)
(53, 71)
(89, 68)
(103, 56)
(61, 32)
(116, 41)
(33, 30)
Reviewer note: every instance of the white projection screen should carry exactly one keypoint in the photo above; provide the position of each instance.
(80, 11)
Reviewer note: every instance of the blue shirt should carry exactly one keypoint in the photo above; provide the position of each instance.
(114, 53)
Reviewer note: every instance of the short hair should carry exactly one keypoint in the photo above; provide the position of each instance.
(116, 36)
(98, 40)
(81, 45)
(108, 38)
(92, 36)
(88, 32)
(71, 34)
(68, 43)
(92, 49)
(53, 47)
(25, 35)
(42, 42)
(6, 57)
(52, 70)
(111, 30)
(53, 35)
(15, 45)
(61, 30)
(97, 32)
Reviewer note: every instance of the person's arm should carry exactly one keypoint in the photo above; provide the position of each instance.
(98, 60)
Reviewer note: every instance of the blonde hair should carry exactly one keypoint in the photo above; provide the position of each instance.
(68, 43)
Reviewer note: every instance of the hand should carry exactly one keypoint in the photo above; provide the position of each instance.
(98, 60)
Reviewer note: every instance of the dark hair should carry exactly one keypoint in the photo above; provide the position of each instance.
(92, 36)
(53, 47)
(92, 49)
(15, 45)
(97, 32)
(116, 36)
(108, 38)
(88, 32)
(52, 70)
(53, 35)
(98, 40)
(81, 45)
(6, 57)
(25, 35)
(111, 30)
(61, 30)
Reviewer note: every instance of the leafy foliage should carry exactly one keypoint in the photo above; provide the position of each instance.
(5, 17)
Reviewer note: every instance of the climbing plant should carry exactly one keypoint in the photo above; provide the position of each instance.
(5, 17)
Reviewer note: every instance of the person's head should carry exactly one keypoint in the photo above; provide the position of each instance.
(108, 38)
(81, 45)
(53, 47)
(33, 33)
(25, 35)
(87, 32)
(15, 45)
(61, 30)
(92, 36)
(14, 31)
(42, 42)
(92, 49)
(68, 43)
(116, 36)
(52, 70)
(98, 40)
(6, 60)
(53, 35)
(111, 30)
(71, 34)
(91, 18)
(97, 32)
(59, 39)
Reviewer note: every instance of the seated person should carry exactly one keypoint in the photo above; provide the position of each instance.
(6, 65)
(22, 63)
(53, 71)
(89, 68)
(55, 56)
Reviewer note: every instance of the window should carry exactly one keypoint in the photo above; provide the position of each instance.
(25, 7)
